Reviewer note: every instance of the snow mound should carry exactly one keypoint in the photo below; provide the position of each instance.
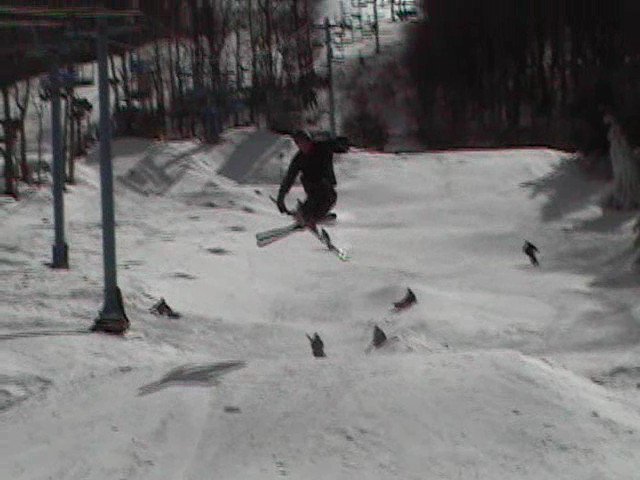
(199, 174)
(260, 158)
(161, 167)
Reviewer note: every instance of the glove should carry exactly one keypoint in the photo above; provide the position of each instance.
(281, 206)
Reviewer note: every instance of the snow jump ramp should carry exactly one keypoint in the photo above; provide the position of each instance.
(262, 157)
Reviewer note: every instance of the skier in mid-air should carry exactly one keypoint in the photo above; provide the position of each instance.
(314, 161)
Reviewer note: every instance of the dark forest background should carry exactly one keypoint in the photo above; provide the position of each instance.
(526, 72)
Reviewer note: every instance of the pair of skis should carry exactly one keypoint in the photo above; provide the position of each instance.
(270, 236)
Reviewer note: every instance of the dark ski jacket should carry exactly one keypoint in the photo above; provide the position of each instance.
(316, 168)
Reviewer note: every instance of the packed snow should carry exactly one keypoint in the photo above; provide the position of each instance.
(500, 370)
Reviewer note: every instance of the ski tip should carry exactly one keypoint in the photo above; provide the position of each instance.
(342, 255)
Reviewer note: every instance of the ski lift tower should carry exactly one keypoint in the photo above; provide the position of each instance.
(112, 318)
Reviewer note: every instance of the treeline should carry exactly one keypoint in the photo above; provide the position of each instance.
(515, 72)
(187, 68)
(219, 61)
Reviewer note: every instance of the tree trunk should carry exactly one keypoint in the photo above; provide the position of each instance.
(72, 144)
(24, 166)
(9, 176)
(126, 80)
(625, 162)
(80, 146)
(159, 83)
(114, 84)
(159, 86)
(239, 75)
(40, 114)
(297, 32)
(65, 128)
(268, 40)
(254, 66)
(23, 106)
(196, 57)
(180, 73)
(172, 85)
(636, 229)
(180, 85)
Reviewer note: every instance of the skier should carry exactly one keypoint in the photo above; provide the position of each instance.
(314, 161)
(317, 345)
(530, 250)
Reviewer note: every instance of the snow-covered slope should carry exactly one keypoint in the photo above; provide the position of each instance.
(501, 370)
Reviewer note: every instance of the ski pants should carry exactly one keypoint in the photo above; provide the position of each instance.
(318, 204)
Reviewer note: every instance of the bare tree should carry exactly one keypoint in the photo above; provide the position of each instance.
(21, 92)
(114, 83)
(217, 28)
(636, 229)
(158, 82)
(625, 162)
(254, 60)
(124, 77)
(80, 108)
(197, 53)
(11, 187)
(39, 98)
(70, 135)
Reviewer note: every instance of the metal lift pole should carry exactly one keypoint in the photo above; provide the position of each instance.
(112, 317)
